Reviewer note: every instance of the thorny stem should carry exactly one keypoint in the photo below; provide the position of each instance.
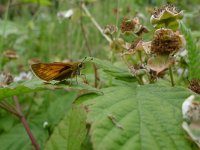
(171, 76)
(25, 123)
(96, 76)
(95, 22)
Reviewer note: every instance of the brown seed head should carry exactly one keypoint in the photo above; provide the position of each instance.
(128, 25)
(165, 41)
(195, 86)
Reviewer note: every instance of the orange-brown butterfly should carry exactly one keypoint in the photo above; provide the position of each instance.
(57, 70)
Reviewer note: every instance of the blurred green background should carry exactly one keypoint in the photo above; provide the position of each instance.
(33, 30)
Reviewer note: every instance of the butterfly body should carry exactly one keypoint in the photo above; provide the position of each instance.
(56, 71)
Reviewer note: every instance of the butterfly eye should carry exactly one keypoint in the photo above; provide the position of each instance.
(80, 65)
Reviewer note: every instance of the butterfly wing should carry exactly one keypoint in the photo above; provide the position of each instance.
(49, 71)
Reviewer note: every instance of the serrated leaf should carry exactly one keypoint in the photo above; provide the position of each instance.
(70, 133)
(138, 117)
(38, 85)
(193, 53)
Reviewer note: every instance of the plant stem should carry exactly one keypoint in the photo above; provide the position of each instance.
(96, 76)
(25, 123)
(171, 76)
(95, 22)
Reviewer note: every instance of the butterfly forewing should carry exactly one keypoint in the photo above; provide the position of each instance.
(50, 71)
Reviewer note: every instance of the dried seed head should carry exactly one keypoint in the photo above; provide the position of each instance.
(11, 54)
(138, 45)
(165, 41)
(33, 61)
(142, 30)
(110, 29)
(167, 16)
(128, 25)
(137, 70)
(5, 79)
(195, 86)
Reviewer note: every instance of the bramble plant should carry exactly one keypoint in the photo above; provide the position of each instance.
(145, 95)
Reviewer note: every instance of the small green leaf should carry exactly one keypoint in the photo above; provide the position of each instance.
(110, 68)
(138, 117)
(70, 132)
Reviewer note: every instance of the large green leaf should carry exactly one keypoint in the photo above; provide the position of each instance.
(70, 132)
(138, 117)
(38, 85)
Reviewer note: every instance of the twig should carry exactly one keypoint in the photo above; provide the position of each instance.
(95, 22)
(25, 123)
(6, 106)
(96, 76)
(114, 121)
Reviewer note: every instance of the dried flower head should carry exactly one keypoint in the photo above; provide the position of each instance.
(5, 79)
(128, 25)
(141, 30)
(110, 29)
(138, 45)
(34, 61)
(195, 86)
(137, 70)
(11, 54)
(165, 41)
(167, 16)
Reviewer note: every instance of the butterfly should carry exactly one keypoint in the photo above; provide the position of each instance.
(57, 71)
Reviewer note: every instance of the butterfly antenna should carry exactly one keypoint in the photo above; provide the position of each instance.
(83, 60)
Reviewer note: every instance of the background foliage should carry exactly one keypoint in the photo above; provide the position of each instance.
(121, 114)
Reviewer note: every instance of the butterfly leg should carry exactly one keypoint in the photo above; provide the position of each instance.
(83, 76)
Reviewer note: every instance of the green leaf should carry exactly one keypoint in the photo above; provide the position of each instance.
(17, 138)
(40, 2)
(193, 53)
(70, 133)
(111, 69)
(52, 113)
(38, 85)
(138, 117)
(10, 28)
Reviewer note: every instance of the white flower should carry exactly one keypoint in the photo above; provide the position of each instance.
(23, 76)
(65, 14)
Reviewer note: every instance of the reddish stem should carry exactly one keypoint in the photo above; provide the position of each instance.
(25, 123)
